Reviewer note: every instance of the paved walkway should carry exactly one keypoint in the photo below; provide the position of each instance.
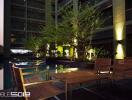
(121, 91)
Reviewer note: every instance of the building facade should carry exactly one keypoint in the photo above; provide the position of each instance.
(25, 17)
(28, 16)
(105, 36)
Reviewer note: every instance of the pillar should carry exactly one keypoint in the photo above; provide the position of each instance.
(119, 29)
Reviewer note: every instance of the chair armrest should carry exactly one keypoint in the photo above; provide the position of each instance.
(30, 68)
(43, 81)
(35, 72)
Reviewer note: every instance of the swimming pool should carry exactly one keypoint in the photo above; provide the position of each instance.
(43, 69)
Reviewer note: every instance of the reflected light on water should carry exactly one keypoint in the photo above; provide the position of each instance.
(65, 70)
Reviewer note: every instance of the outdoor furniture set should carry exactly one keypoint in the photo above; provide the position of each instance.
(41, 89)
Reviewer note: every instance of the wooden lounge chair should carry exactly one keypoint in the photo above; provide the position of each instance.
(102, 67)
(39, 90)
(14, 83)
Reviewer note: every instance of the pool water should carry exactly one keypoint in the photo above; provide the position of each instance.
(43, 69)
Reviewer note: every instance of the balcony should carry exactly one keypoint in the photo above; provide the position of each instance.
(17, 11)
(21, 2)
(33, 26)
(17, 24)
(35, 14)
(35, 3)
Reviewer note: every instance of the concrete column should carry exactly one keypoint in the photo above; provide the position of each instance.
(119, 28)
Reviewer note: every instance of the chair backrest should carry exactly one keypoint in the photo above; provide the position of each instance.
(13, 75)
(18, 78)
(102, 64)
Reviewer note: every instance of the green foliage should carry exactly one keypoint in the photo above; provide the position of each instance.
(59, 35)
(80, 25)
(34, 44)
(89, 19)
(84, 24)
(100, 52)
(49, 34)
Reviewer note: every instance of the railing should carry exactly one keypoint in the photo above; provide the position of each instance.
(63, 4)
(33, 26)
(35, 14)
(37, 4)
(17, 11)
(22, 2)
(17, 24)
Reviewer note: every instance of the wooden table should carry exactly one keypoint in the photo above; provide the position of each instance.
(76, 77)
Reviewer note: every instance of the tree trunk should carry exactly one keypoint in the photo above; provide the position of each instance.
(81, 51)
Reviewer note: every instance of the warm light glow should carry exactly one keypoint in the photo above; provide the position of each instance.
(47, 49)
(22, 63)
(105, 72)
(119, 23)
(120, 52)
(66, 70)
(75, 41)
(48, 67)
(90, 52)
(66, 45)
(60, 49)
(38, 62)
(119, 36)
(71, 52)
(119, 31)
(67, 53)
(71, 69)
(20, 51)
(76, 55)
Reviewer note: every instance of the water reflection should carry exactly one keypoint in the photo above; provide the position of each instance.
(45, 72)
(63, 69)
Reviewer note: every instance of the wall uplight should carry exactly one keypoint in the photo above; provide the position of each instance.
(120, 52)
(119, 31)
(119, 20)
